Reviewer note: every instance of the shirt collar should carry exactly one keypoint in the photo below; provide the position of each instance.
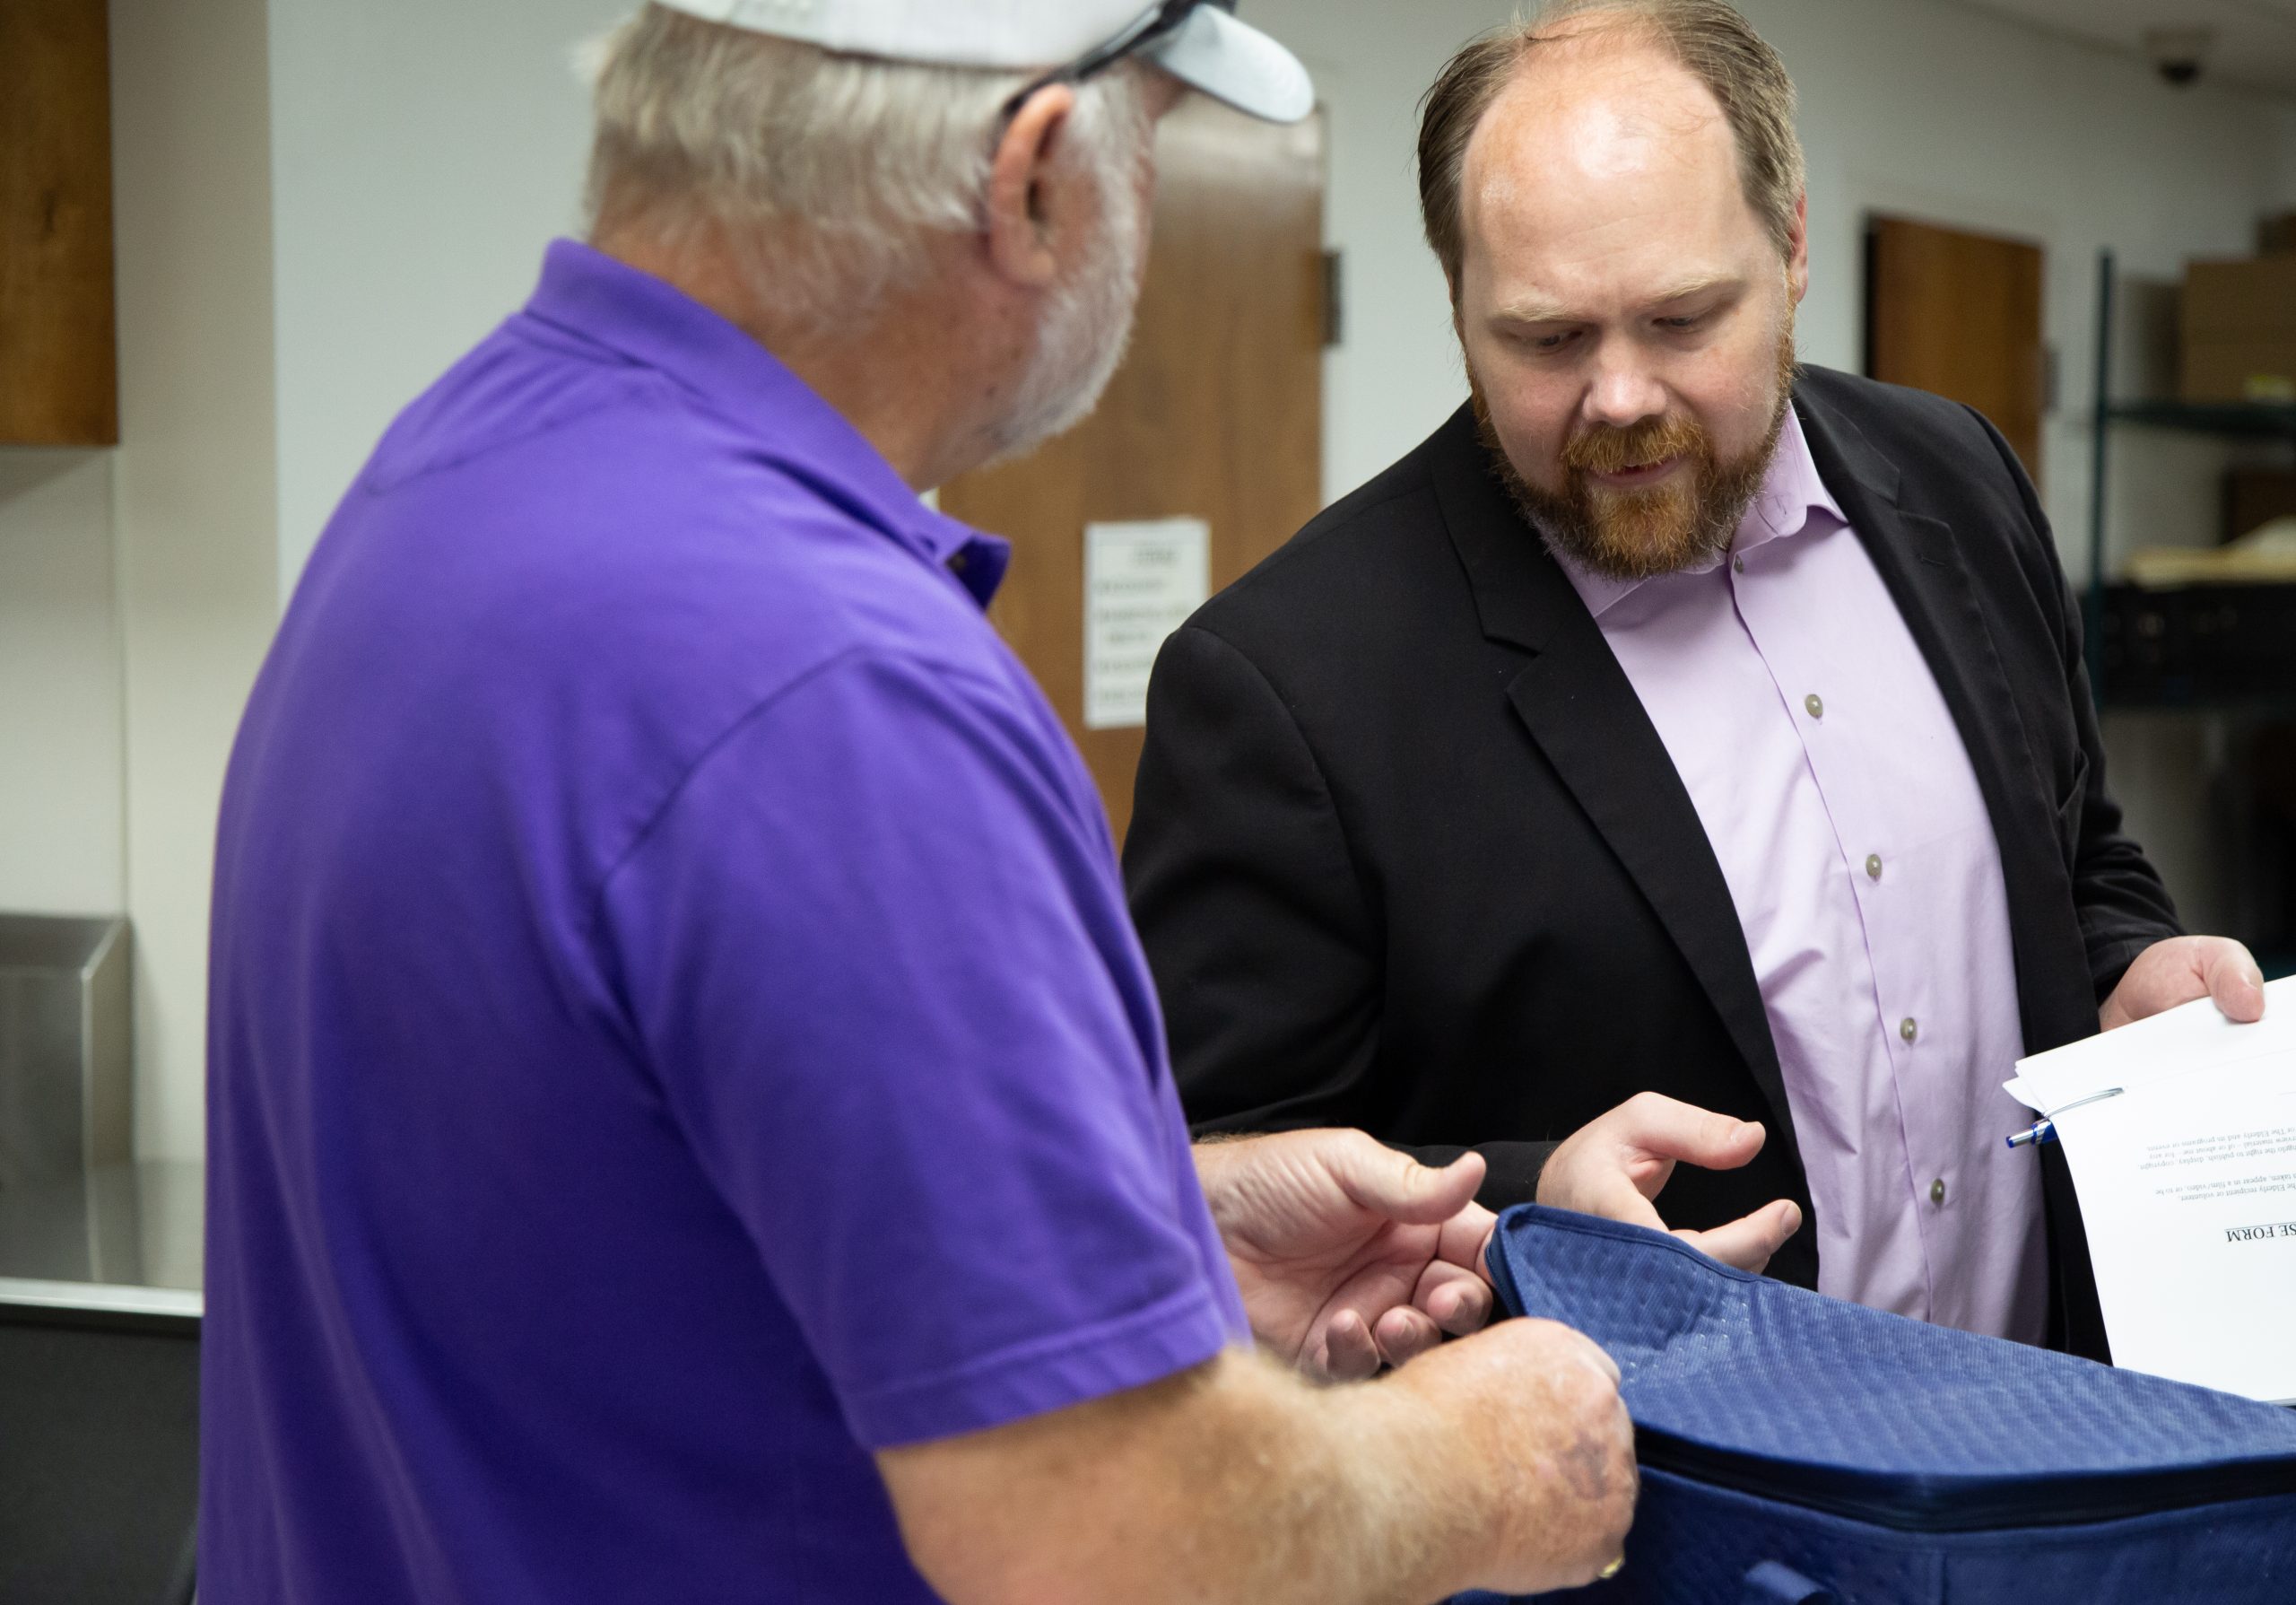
(1792, 497)
(595, 298)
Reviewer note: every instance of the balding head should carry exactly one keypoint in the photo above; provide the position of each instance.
(1600, 165)
(1708, 39)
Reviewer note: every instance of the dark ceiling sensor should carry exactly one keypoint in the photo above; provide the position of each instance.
(2178, 54)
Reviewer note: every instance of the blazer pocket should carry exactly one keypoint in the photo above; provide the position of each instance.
(2068, 810)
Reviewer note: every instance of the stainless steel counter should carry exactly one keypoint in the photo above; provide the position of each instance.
(125, 1240)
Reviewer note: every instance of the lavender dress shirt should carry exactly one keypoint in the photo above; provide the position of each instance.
(1842, 806)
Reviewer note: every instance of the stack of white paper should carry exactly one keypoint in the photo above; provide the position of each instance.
(2187, 1185)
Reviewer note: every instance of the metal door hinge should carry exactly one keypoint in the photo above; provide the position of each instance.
(1334, 281)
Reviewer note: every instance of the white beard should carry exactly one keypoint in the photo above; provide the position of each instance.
(1086, 326)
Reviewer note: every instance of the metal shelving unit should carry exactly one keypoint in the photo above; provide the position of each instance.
(2199, 615)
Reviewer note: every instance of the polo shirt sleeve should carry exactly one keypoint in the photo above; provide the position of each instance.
(882, 969)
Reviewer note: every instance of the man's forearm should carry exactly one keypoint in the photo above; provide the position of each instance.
(1365, 1492)
(1240, 1482)
(1235, 1482)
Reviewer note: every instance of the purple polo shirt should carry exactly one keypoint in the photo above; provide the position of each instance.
(675, 1026)
(1840, 804)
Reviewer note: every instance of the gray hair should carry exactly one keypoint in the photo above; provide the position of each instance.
(834, 171)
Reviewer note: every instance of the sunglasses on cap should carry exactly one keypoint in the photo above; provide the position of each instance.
(1156, 23)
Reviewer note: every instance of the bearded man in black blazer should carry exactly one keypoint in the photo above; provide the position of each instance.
(1681, 758)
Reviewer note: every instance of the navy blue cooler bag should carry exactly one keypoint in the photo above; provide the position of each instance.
(1798, 1449)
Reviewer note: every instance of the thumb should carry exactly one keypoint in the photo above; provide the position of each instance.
(1398, 1186)
(1749, 1241)
(2236, 983)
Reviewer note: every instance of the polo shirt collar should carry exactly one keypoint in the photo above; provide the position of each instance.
(607, 302)
(1792, 497)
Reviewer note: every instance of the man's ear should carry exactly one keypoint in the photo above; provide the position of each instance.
(1027, 194)
(1798, 259)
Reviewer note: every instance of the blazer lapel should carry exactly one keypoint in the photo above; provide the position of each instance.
(1921, 563)
(1584, 714)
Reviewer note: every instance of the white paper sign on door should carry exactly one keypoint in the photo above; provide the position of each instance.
(1141, 582)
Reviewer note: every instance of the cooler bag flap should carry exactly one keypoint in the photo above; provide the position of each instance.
(1744, 1382)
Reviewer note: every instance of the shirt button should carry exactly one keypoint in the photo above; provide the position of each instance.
(1908, 1029)
(1816, 704)
(958, 563)
(1937, 1190)
(1873, 865)
(1738, 563)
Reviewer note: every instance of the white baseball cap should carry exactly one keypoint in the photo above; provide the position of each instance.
(1199, 42)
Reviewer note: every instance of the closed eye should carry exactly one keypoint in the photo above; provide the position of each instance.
(1551, 341)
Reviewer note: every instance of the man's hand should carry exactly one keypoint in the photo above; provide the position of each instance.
(1614, 1166)
(1348, 1252)
(2182, 969)
(1540, 1418)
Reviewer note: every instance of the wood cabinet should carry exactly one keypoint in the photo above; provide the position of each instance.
(58, 350)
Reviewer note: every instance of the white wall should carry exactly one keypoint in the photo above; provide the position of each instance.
(138, 586)
(60, 707)
(319, 204)
(194, 523)
(1397, 374)
(424, 152)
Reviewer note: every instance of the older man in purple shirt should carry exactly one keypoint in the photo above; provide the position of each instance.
(1681, 759)
(689, 1115)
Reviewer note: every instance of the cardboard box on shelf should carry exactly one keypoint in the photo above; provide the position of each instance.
(2251, 370)
(2239, 330)
(2249, 298)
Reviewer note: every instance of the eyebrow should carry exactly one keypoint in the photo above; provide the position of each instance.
(1534, 311)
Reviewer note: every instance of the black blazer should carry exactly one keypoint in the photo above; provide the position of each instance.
(1407, 854)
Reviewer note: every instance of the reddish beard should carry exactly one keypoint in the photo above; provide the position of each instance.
(1640, 532)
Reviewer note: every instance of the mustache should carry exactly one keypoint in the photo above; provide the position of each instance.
(1603, 449)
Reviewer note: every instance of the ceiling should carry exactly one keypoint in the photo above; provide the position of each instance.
(2255, 39)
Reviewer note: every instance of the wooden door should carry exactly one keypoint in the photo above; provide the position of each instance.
(1217, 413)
(1960, 314)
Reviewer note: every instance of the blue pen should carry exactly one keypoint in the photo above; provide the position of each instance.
(2044, 1130)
